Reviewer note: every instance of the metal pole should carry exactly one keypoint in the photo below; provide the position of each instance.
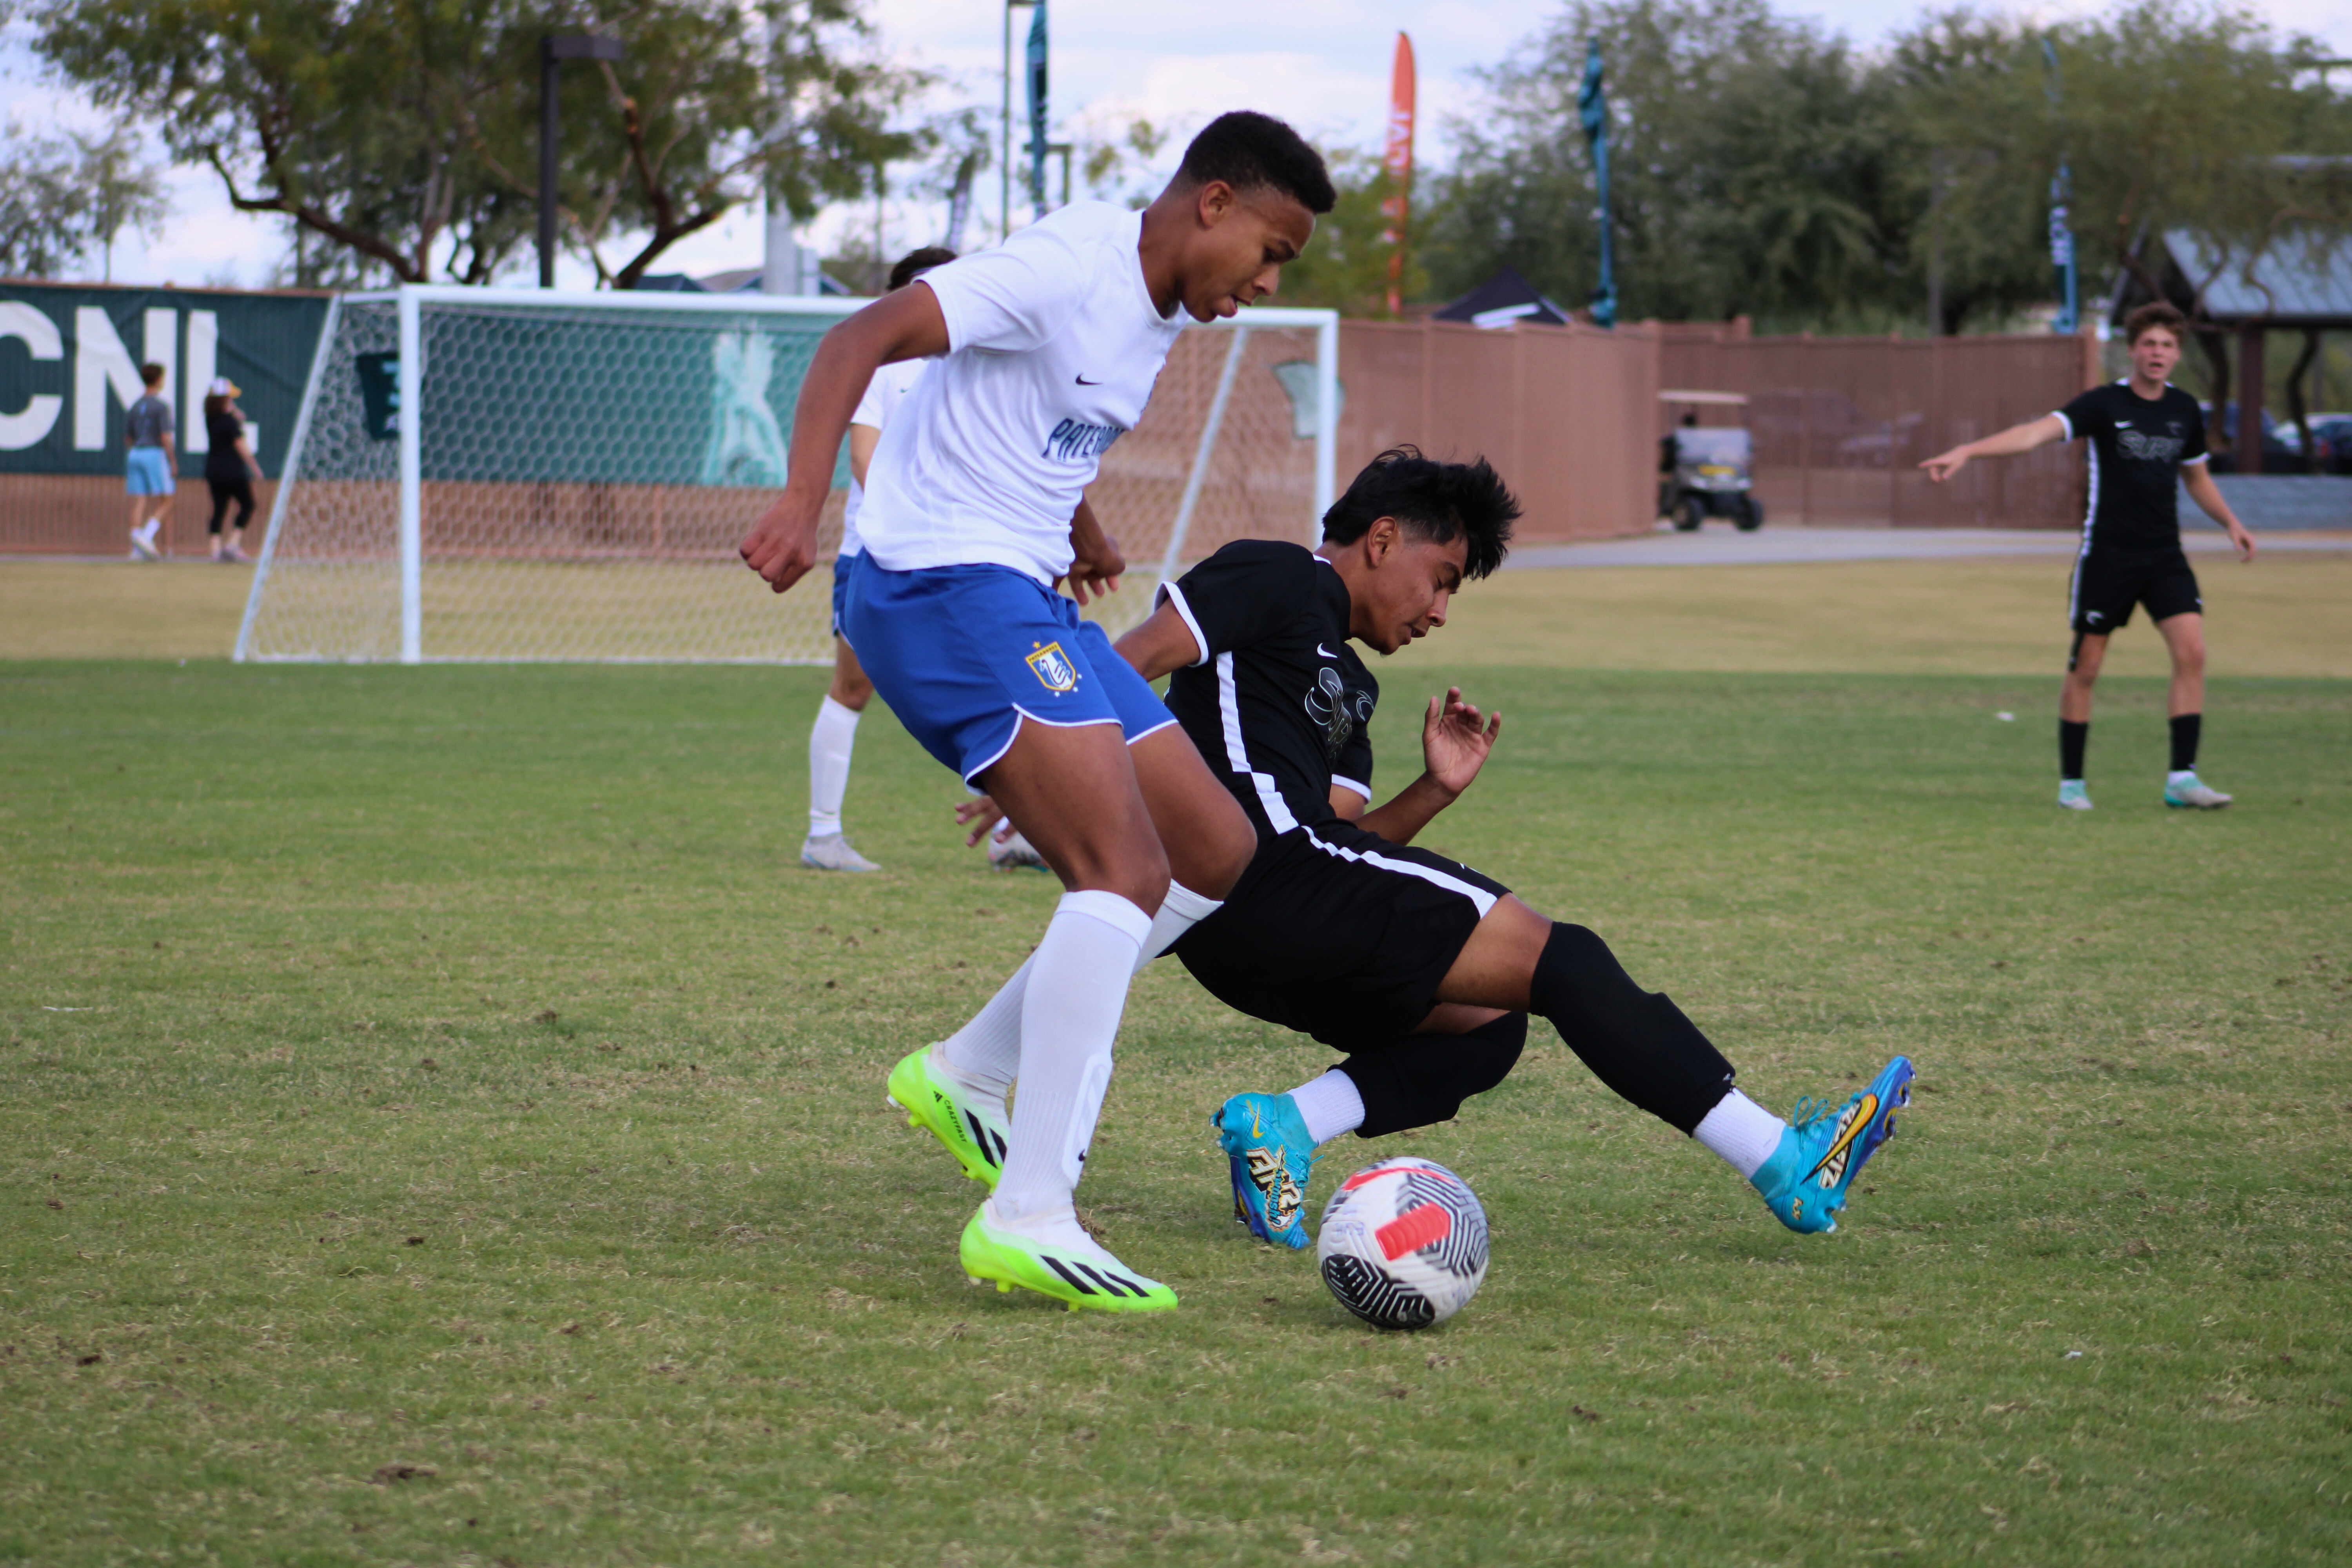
(1004, 165)
(1326, 418)
(412, 479)
(1201, 450)
(547, 82)
(286, 475)
(554, 48)
(1005, 168)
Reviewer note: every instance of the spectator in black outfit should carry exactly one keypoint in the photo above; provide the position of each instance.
(230, 468)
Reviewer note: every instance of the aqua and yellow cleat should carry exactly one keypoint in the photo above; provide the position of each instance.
(1805, 1182)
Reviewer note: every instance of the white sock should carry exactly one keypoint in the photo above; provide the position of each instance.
(1180, 912)
(830, 740)
(1329, 1104)
(1742, 1131)
(2181, 776)
(147, 529)
(986, 1052)
(1068, 1020)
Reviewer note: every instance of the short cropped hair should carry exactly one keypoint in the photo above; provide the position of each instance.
(152, 372)
(919, 261)
(1433, 501)
(1253, 152)
(2156, 313)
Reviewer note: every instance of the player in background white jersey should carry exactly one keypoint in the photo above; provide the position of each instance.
(1048, 348)
(834, 734)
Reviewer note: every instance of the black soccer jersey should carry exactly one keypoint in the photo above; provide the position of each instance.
(2138, 447)
(1279, 704)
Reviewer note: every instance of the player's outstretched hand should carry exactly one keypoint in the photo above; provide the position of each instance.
(1944, 465)
(1455, 739)
(980, 813)
(782, 546)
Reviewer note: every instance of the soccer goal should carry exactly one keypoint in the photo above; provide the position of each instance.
(507, 476)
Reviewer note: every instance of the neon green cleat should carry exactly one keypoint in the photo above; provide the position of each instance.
(972, 1125)
(1051, 1255)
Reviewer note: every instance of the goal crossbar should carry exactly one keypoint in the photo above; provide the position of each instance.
(478, 519)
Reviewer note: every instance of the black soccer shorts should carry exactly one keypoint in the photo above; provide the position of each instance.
(2108, 583)
(1337, 933)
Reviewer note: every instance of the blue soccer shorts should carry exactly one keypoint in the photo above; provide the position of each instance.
(845, 567)
(965, 655)
(149, 473)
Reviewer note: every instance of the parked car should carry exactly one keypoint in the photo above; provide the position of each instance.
(2334, 434)
(2282, 444)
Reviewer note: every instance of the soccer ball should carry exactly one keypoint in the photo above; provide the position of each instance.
(1403, 1244)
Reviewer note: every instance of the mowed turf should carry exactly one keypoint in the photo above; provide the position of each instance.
(439, 1123)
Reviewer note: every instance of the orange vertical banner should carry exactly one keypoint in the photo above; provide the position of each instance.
(1398, 162)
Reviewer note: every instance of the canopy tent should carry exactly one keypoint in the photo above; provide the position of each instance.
(1501, 299)
(2301, 281)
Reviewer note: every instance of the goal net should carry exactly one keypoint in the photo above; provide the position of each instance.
(496, 476)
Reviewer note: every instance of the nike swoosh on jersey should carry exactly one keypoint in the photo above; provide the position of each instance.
(1083, 381)
(1326, 652)
(1862, 1113)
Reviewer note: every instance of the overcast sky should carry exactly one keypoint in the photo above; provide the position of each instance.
(1321, 64)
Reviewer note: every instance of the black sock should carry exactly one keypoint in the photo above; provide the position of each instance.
(1422, 1079)
(2185, 727)
(2073, 740)
(1636, 1041)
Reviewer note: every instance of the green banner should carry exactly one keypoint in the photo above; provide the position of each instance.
(71, 357)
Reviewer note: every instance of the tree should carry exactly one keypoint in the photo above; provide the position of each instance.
(2173, 116)
(405, 131)
(1756, 167)
(1345, 264)
(62, 196)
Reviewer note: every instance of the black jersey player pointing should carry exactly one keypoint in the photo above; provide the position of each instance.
(2146, 437)
(1422, 970)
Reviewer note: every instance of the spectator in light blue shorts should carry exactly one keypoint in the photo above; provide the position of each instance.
(148, 428)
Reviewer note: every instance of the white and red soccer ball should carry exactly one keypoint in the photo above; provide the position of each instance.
(1403, 1244)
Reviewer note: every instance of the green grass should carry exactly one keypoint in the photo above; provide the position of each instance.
(465, 1080)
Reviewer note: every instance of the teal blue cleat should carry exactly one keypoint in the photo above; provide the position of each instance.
(1804, 1182)
(1270, 1158)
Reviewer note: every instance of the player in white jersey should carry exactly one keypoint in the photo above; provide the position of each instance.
(1048, 348)
(834, 734)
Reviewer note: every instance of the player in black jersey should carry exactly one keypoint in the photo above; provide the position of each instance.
(1422, 968)
(2146, 436)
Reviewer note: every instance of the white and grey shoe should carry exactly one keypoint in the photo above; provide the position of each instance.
(831, 852)
(2195, 794)
(1014, 854)
(142, 547)
(2074, 794)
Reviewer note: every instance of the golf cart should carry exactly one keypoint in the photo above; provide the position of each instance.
(1703, 468)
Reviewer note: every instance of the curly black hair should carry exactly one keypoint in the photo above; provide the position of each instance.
(1253, 152)
(1433, 499)
(917, 262)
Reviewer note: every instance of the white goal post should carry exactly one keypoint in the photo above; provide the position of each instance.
(511, 474)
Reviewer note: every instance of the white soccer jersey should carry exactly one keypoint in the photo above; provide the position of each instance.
(1054, 347)
(882, 395)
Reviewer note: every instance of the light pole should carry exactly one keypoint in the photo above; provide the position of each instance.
(554, 49)
(1004, 208)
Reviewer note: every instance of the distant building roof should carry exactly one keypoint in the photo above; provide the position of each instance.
(1501, 299)
(2301, 279)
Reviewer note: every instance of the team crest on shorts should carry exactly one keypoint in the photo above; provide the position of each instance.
(1054, 668)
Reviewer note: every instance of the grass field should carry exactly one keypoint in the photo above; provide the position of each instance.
(440, 1124)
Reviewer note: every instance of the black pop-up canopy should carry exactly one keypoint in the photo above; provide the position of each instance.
(1501, 299)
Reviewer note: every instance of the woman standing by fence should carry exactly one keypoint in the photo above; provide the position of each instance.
(230, 468)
